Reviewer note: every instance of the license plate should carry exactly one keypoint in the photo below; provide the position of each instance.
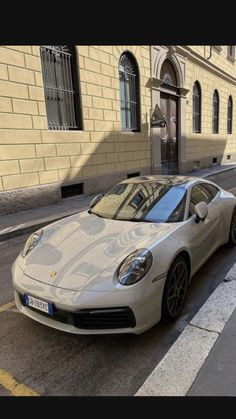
(38, 304)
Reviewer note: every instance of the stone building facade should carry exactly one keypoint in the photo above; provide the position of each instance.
(213, 70)
(194, 87)
(36, 161)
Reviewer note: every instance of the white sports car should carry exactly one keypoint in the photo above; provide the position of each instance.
(126, 263)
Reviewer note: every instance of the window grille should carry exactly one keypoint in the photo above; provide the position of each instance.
(129, 93)
(215, 113)
(130, 175)
(196, 107)
(72, 190)
(61, 87)
(230, 115)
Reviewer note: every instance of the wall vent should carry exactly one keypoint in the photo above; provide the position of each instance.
(72, 190)
(228, 156)
(129, 175)
(214, 160)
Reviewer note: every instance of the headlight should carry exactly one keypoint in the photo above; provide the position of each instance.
(31, 242)
(134, 267)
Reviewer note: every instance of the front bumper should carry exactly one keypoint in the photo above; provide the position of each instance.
(143, 303)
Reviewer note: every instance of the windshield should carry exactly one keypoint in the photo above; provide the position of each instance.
(146, 201)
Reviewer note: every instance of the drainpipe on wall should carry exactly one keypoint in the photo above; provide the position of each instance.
(208, 58)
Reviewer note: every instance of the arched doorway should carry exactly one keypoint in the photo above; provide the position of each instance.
(169, 108)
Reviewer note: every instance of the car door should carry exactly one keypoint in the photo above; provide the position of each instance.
(204, 236)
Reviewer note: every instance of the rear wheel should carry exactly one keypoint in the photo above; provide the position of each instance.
(232, 232)
(175, 290)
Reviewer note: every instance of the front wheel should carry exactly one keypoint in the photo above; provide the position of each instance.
(232, 232)
(175, 290)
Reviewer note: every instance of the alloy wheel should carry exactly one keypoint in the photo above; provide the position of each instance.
(177, 290)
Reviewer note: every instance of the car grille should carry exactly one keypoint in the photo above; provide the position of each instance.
(92, 319)
(107, 318)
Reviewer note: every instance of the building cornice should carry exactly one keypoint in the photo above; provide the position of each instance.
(193, 56)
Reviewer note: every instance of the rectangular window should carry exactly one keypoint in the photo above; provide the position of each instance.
(61, 87)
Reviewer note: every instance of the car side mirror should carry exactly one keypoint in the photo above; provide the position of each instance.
(95, 200)
(201, 210)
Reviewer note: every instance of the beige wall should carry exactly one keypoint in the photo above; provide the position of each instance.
(216, 73)
(32, 155)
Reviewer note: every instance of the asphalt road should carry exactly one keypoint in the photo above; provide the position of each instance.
(52, 362)
(226, 180)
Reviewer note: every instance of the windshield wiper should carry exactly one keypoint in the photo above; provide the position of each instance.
(136, 220)
(98, 215)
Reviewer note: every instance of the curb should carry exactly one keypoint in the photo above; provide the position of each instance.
(30, 228)
(33, 226)
(177, 371)
(226, 169)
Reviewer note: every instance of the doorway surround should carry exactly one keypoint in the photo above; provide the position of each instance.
(159, 87)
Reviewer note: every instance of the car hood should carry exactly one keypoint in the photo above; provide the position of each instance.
(82, 252)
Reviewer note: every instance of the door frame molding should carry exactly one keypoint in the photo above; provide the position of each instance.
(159, 54)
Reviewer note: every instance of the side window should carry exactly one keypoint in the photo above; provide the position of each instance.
(198, 194)
(211, 190)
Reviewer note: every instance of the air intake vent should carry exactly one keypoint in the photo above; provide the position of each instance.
(114, 318)
(72, 190)
(129, 175)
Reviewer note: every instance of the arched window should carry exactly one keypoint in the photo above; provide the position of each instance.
(196, 107)
(215, 113)
(60, 80)
(168, 73)
(230, 115)
(129, 93)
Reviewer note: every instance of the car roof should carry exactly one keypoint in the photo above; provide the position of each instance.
(164, 179)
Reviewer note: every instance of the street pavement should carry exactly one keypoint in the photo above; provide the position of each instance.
(49, 362)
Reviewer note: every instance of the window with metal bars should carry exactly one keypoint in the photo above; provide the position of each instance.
(196, 107)
(61, 87)
(129, 93)
(230, 115)
(215, 113)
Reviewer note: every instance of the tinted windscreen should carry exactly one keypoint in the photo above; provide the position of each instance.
(149, 201)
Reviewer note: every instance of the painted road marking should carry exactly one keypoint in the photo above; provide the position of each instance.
(177, 371)
(16, 389)
(7, 306)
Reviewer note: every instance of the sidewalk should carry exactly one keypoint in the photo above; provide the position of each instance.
(217, 377)
(26, 222)
(202, 361)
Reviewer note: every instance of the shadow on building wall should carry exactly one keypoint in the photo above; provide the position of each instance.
(107, 163)
(98, 168)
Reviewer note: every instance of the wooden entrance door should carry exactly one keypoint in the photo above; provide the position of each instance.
(169, 134)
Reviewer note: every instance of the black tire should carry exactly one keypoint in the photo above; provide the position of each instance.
(232, 231)
(175, 290)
